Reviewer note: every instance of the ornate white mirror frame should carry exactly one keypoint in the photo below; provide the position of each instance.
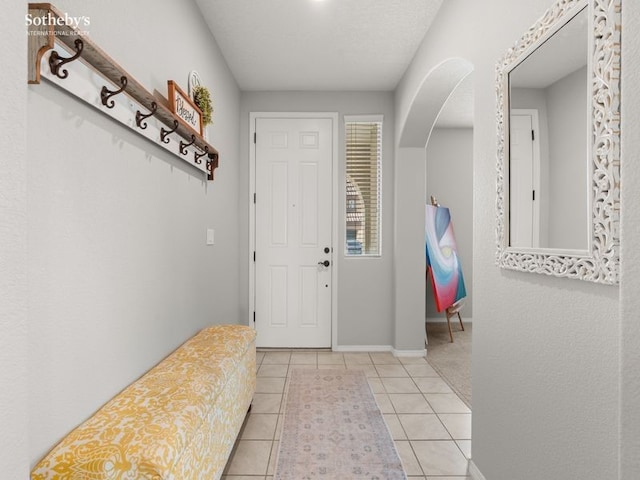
(600, 262)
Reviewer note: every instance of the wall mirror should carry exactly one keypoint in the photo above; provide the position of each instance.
(558, 120)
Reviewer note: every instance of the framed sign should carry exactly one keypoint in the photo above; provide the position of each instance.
(187, 111)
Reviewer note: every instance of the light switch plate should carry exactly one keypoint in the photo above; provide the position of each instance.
(210, 236)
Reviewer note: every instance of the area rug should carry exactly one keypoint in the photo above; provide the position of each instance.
(333, 430)
(451, 360)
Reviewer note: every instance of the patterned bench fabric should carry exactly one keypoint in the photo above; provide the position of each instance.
(177, 422)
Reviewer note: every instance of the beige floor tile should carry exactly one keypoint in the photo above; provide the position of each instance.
(250, 457)
(446, 403)
(276, 358)
(376, 385)
(431, 385)
(279, 427)
(270, 384)
(458, 425)
(384, 404)
(423, 427)
(440, 457)
(465, 446)
(255, 455)
(302, 366)
(395, 427)
(304, 358)
(273, 370)
(369, 370)
(330, 358)
(412, 360)
(399, 385)
(273, 459)
(421, 370)
(357, 359)
(409, 403)
(383, 358)
(259, 426)
(408, 458)
(266, 403)
(391, 371)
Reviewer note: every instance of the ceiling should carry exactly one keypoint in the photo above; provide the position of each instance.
(318, 45)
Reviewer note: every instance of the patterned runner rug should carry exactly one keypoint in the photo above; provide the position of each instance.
(333, 430)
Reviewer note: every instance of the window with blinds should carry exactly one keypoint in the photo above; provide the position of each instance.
(363, 187)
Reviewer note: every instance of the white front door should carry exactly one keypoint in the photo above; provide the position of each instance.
(293, 231)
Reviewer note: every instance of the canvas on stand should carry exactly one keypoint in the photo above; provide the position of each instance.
(443, 263)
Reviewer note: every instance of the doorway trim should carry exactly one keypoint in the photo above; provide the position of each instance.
(335, 200)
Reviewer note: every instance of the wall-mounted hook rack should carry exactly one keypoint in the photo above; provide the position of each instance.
(165, 133)
(48, 48)
(106, 94)
(197, 156)
(140, 117)
(212, 164)
(56, 61)
(183, 146)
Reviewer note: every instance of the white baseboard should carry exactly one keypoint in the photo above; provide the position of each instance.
(379, 348)
(362, 348)
(475, 472)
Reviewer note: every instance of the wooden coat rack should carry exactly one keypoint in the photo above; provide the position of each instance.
(72, 64)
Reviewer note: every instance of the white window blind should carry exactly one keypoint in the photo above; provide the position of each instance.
(363, 187)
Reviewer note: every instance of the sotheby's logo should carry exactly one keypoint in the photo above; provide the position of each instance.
(77, 23)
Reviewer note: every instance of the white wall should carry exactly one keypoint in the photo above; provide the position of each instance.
(545, 350)
(14, 460)
(450, 180)
(365, 285)
(119, 273)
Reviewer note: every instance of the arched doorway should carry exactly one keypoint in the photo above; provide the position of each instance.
(410, 181)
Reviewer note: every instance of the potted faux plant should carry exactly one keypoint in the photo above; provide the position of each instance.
(202, 98)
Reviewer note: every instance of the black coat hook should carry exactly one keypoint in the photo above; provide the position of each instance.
(164, 133)
(56, 61)
(183, 146)
(106, 94)
(197, 156)
(140, 116)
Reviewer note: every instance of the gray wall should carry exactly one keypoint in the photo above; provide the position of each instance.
(545, 350)
(450, 180)
(119, 273)
(568, 136)
(365, 285)
(629, 304)
(14, 457)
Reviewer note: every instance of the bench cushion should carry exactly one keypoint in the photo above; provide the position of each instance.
(171, 422)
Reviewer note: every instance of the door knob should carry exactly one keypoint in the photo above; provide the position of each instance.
(326, 263)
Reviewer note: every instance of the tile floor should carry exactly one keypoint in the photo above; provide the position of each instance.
(431, 426)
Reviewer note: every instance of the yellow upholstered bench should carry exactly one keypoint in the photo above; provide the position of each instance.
(179, 421)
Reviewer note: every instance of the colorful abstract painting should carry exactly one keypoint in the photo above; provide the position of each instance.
(443, 263)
